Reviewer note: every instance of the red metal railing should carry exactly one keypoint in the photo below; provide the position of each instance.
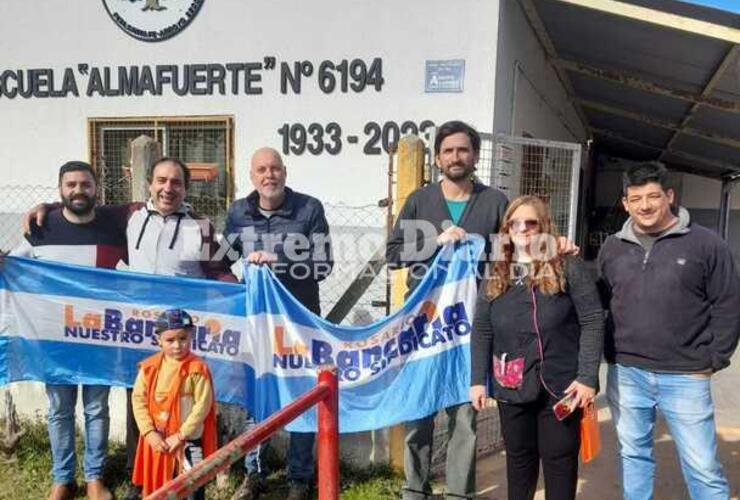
(325, 394)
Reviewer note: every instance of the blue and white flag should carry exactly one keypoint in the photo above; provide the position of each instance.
(67, 324)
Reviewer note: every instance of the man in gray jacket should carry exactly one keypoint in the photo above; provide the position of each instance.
(674, 301)
(445, 212)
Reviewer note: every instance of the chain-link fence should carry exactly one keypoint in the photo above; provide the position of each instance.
(488, 437)
(14, 202)
(357, 233)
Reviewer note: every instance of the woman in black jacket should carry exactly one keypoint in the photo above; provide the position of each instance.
(538, 333)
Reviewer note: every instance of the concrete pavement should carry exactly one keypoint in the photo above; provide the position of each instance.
(599, 480)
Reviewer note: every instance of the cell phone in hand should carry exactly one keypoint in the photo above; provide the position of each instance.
(565, 406)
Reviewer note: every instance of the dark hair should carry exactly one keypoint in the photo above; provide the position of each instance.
(645, 173)
(455, 127)
(76, 166)
(171, 159)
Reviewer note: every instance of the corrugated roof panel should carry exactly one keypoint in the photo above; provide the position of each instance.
(625, 150)
(680, 60)
(671, 56)
(729, 86)
(712, 6)
(694, 165)
(628, 128)
(708, 149)
(630, 99)
(718, 122)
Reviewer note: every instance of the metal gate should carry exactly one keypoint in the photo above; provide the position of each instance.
(548, 169)
(205, 143)
(521, 165)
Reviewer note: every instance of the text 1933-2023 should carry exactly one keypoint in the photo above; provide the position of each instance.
(329, 138)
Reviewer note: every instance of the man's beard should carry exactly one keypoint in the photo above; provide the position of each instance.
(79, 209)
(457, 176)
(272, 194)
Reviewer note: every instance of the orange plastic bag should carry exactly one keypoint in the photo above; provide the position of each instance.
(590, 437)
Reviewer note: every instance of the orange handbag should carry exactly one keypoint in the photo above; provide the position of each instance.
(590, 438)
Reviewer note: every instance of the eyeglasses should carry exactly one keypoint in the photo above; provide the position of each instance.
(523, 224)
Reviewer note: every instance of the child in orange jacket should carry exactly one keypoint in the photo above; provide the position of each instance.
(173, 404)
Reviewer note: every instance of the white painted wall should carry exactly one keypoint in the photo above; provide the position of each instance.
(37, 135)
(529, 96)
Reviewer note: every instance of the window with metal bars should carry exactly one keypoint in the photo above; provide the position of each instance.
(204, 143)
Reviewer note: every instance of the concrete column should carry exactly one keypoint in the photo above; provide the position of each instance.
(144, 152)
(410, 177)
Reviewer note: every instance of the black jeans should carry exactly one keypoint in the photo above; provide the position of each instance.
(132, 435)
(193, 455)
(532, 433)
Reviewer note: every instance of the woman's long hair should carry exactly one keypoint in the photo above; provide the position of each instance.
(546, 273)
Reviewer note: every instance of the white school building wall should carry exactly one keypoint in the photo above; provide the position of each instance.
(40, 133)
(499, 81)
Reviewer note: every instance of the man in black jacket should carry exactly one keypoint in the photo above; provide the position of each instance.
(444, 213)
(286, 230)
(674, 300)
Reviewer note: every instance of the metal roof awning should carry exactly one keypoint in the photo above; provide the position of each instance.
(651, 79)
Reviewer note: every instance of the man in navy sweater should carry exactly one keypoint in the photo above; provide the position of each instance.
(674, 301)
(286, 230)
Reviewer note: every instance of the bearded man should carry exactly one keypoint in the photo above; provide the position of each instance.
(79, 233)
(433, 216)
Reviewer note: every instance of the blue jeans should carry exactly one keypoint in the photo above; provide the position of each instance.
(300, 456)
(685, 401)
(62, 400)
(253, 458)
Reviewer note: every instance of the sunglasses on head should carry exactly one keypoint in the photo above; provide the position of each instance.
(526, 224)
